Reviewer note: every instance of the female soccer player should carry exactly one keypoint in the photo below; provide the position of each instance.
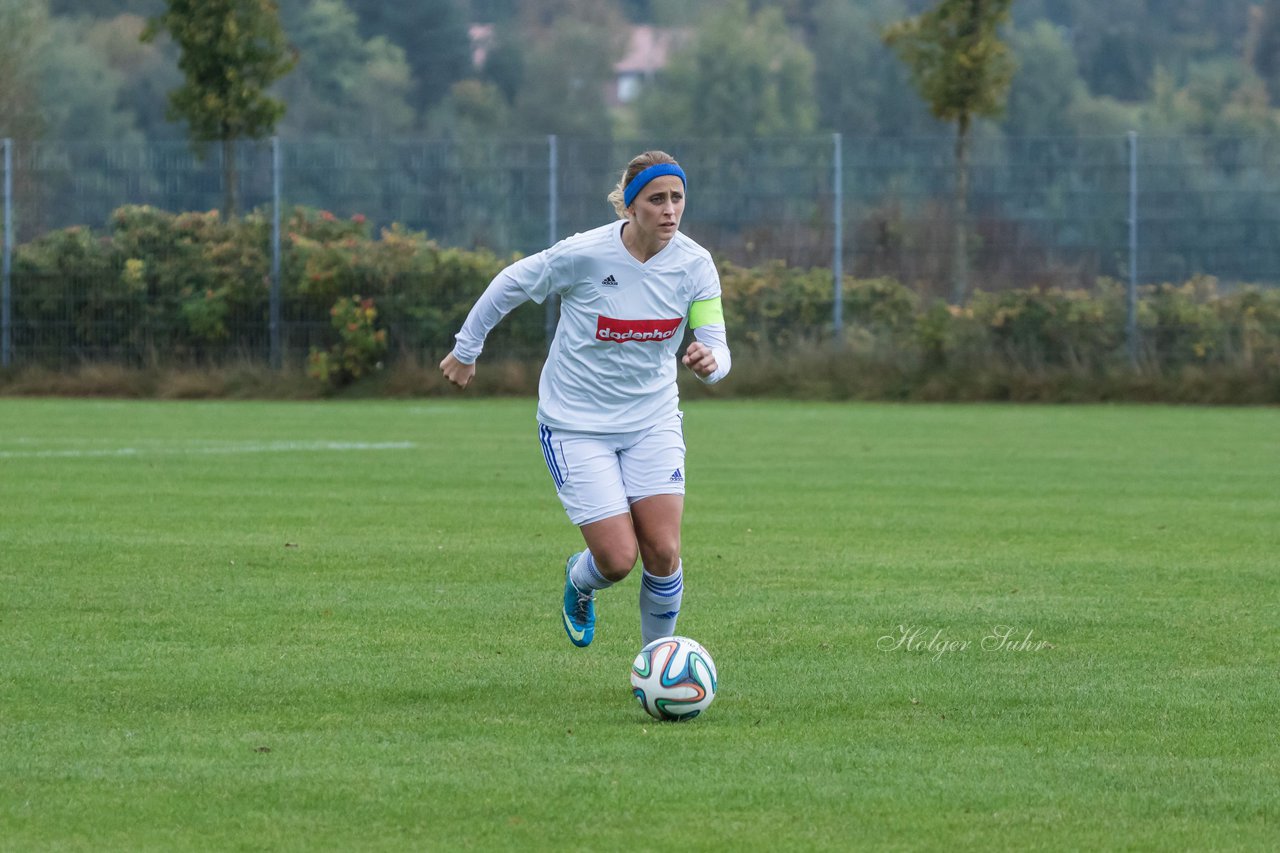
(608, 406)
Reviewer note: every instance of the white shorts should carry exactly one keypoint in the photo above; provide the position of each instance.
(598, 476)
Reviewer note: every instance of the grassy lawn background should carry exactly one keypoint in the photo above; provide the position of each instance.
(335, 625)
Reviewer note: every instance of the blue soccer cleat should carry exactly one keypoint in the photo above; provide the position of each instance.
(579, 611)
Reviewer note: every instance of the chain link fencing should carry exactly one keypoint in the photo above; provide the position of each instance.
(1043, 213)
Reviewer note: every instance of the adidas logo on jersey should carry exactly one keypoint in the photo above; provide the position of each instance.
(676, 477)
(609, 281)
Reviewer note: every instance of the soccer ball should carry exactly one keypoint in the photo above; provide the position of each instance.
(674, 678)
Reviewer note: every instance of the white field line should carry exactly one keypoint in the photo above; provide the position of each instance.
(224, 450)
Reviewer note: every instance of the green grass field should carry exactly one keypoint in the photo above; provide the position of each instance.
(335, 626)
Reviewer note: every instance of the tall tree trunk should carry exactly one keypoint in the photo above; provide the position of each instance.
(230, 179)
(960, 217)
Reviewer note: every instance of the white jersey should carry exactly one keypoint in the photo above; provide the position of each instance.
(612, 364)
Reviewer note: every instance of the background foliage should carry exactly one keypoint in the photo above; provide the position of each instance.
(1150, 65)
(1197, 79)
(191, 288)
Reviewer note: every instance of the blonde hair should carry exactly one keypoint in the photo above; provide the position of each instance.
(637, 165)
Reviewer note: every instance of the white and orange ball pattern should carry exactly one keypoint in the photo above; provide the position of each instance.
(674, 678)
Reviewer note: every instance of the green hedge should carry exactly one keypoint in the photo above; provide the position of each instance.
(164, 288)
(1194, 342)
(174, 288)
(1035, 328)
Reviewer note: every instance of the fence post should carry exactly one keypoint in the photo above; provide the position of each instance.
(1131, 297)
(277, 357)
(6, 267)
(552, 304)
(837, 250)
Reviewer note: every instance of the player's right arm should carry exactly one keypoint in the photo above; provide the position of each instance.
(504, 294)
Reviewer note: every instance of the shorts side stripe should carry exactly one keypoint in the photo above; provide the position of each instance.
(549, 454)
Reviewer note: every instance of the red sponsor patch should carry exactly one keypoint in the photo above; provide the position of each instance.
(621, 331)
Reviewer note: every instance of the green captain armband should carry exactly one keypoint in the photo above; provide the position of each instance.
(704, 312)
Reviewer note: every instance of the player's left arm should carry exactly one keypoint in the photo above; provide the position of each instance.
(708, 355)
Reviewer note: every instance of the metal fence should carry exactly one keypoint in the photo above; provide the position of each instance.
(1043, 212)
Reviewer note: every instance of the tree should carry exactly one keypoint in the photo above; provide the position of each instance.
(1119, 43)
(567, 96)
(474, 111)
(22, 26)
(104, 8)
(963, 70)
(1042, 98)
(80, 91)
(1265, 47)
(859, 88)
(504, 63)
(433, 35)
(1221, 98)
(343, 86)
(744, 76)
(232, 51)
(146, 72)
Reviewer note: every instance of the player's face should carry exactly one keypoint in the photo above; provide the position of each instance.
(657, 210)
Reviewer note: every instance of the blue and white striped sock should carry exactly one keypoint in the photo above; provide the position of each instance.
(660, 604)
(585, 575)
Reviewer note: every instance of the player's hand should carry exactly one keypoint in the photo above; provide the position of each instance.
(699, 359)
(456, 372)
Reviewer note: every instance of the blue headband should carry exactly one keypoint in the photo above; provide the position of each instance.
(656, 171)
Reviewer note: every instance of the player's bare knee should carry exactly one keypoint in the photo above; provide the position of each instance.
(616, 562)
(661, 558)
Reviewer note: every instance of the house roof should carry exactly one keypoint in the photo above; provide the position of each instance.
(649, 49)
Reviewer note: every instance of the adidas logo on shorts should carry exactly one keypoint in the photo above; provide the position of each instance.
(676, 477)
